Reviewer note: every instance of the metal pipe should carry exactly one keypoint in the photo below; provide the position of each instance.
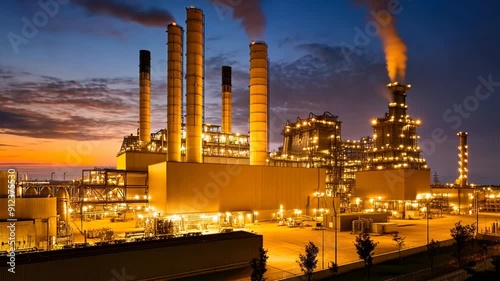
(194, 83)
(258, 103)
(226, 100)
(174, 91)
(144, 97)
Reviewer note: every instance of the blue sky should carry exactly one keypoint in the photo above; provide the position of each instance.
(78, 73)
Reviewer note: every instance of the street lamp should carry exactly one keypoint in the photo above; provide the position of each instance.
(476, 201)
(335, 226)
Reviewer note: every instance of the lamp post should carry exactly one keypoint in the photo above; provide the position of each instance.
(323, 248)
(427, 217)
(476, 201)
(335, 227)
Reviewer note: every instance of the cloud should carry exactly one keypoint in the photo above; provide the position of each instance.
(249, 12)
(41, 106)
(153, 17)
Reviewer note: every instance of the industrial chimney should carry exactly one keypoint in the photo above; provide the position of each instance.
(174, 91)
(398, 107)
(463, 156)
(226, 99)
(144, 97)
(258, 103)
(194, 83)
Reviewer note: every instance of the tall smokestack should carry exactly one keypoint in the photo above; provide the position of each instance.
(258, 103)
(195, 46)
(174, 91)
(144, 97)
(226, 100)
(398, 107)
(463, 155)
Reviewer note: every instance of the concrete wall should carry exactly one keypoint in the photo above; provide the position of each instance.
(164, 259)
(397, 184)
(192, 187)
(138, 161)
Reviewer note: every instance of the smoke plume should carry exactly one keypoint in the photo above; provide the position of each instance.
(155, 17)
(249, 12)
(394, 47)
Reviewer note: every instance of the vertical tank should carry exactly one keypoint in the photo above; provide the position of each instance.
(226, 100)
(45, 192)
(144, 97)
(463, 156)
(194, 83)
(258, 103)
(174, 91)
(62, 204)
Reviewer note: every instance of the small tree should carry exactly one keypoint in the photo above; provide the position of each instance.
(364, 247)
(259, 266)
(333, 267)
(484, 252)
(400, 242)
(462, 234)
(308, 262)
(432, 249)
(495, 261)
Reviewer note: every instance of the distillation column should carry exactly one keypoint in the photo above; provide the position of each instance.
(174, 91)
(194, 83)
(226, 100)
(144, 97)
(258, 103)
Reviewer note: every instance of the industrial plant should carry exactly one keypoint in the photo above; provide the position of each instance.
(192, 177)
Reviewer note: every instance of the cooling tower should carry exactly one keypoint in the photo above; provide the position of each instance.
(226, 99)
(144, 97)
(194, 83)
(258, 103)
(174, 91)
(463, 155)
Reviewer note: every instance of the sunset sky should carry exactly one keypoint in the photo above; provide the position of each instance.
(69, 88)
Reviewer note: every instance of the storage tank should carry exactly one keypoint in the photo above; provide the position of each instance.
(62, 204)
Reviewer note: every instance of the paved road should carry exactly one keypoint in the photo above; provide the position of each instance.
(284, 244)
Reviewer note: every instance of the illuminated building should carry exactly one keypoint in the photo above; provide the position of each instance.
(313, 142)
(394, 170)
(395, 136)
